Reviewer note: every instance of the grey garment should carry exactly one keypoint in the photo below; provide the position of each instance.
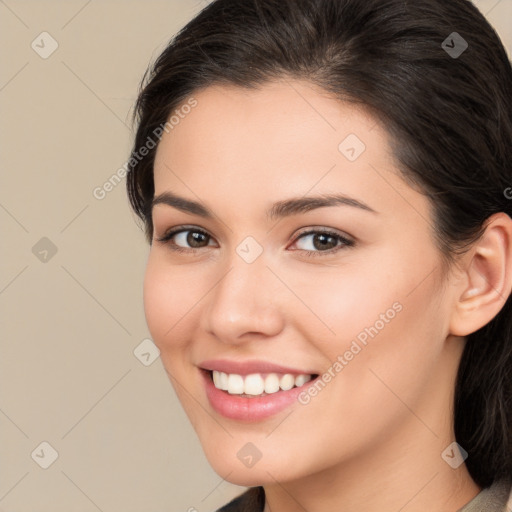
(490, 499)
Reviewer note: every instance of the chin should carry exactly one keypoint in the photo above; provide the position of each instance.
(263, 472)
(245, 478)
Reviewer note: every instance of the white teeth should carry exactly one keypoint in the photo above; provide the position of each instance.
(216, 380)
(271, 383)
(255, 384)
(287, 382)
(300, 380)
(235, 384)
(223, 381)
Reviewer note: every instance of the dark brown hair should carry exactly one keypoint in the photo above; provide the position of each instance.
(448, 113)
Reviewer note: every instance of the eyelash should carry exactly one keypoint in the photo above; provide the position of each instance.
(345, 242)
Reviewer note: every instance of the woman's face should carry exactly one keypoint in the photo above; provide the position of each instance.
(257, 289)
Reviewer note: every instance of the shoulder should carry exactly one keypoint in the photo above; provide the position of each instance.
(495, 498)
(252, 500)
(508, 493)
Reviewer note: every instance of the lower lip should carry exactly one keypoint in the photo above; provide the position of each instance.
(250, 409)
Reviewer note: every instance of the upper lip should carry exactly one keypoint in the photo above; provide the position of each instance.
(250, 366)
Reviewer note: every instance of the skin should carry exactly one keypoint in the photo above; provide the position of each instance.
(372, 439)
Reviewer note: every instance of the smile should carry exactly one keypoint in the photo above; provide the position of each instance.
(257, 384)
(254, 390)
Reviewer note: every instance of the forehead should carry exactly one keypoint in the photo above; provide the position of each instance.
(284, 138)
(277, 117)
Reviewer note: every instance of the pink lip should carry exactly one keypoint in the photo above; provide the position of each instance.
(245, 409)
(248, 367)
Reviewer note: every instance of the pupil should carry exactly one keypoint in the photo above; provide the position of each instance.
(194, 238)
(324, 238)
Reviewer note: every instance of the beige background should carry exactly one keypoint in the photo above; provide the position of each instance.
(70, 323)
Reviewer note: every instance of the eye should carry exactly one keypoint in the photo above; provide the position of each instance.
(314, 242)
(322, 242)
(185, 240)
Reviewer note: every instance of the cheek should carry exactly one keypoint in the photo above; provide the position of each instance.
(169, 296)
(388, 314)
(337, 305)
(391, 346)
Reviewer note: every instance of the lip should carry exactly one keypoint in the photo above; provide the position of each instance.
(250, 366)
(239, 408)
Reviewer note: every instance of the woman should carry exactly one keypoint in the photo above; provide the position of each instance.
(329, 210)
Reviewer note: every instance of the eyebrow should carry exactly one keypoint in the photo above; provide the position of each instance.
(279, 209)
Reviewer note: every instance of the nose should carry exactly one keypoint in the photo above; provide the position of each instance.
(245, 304)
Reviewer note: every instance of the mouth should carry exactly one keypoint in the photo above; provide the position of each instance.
(253, 397)
(257, 384)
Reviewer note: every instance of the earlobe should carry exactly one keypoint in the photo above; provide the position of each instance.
(487, 279)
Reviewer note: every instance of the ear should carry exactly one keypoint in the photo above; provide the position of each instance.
(486, 280)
